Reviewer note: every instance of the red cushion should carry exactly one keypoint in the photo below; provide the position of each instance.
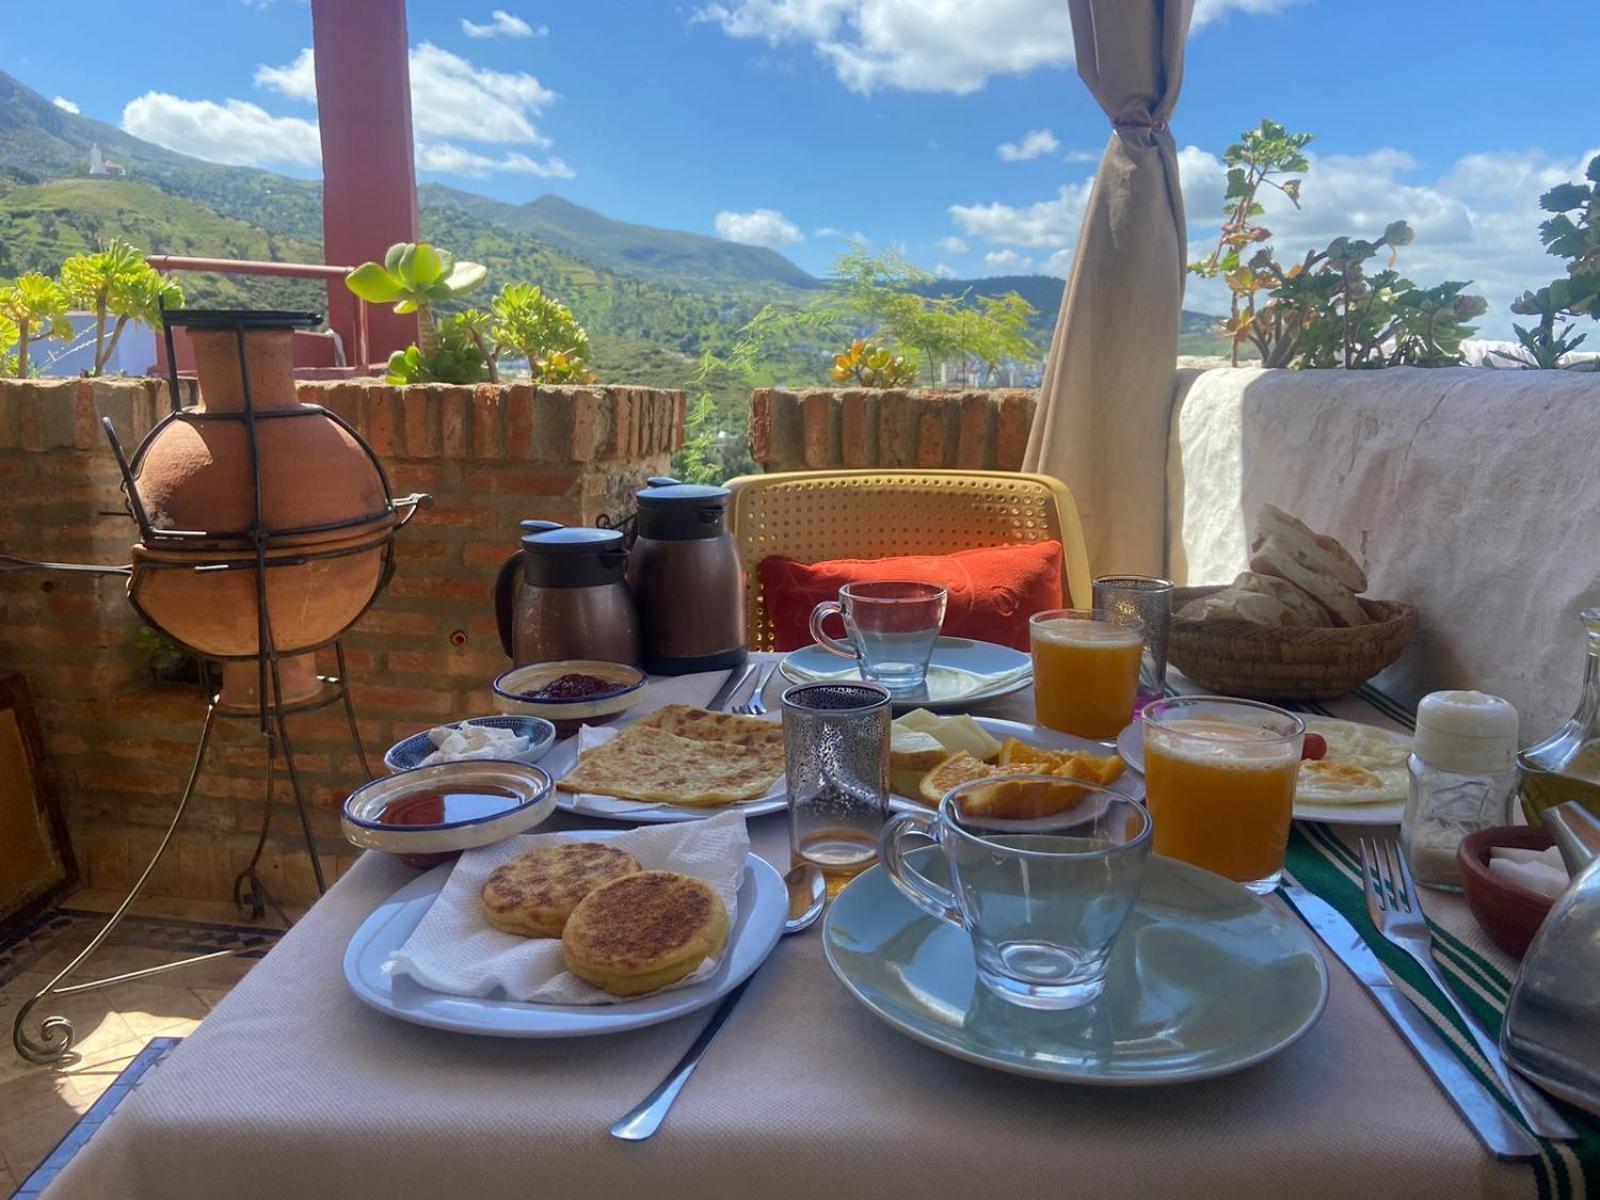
(993, 591)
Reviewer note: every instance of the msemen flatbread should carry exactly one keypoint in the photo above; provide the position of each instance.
(704, 725)
(649, 764)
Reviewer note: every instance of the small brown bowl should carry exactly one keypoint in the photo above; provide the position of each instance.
(1509, 914)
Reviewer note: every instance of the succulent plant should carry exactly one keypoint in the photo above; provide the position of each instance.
(867, 364)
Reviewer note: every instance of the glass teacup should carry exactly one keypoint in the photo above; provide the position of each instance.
(1044, 871)
(892, 626)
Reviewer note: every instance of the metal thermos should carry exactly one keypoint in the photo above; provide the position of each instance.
(685, 575)
(564, 595)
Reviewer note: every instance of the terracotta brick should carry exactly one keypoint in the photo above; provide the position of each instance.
(455, 404)
(407, 700)
(1011, 436)
(975, 436)
(819, 415)
(382, 421)
(380, 621)
(420, 412)
(488, 422)
(934, 443)
(897, 430)
(521, 481)
(519, 421)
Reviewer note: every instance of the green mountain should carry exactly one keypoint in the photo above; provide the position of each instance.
(669, 257)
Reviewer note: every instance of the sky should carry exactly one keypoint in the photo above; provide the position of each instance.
(956, 131)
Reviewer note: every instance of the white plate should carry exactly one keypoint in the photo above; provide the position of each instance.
(1130, 744)
(564, 756)
(763, 904)
(1130, 782)
(961, 672)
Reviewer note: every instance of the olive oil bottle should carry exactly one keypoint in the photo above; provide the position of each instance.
(1566, 765)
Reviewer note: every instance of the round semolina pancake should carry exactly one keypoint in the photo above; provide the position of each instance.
(644, 932)
(533, 894)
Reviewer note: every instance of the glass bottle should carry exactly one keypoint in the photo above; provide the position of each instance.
(1463, 770)
(1566, 765)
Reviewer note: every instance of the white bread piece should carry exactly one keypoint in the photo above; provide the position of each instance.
(1314, 550)
(1230, 604)
(1305, 609)
(1275, 557)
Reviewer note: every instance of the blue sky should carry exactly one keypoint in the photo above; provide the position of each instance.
(778, 121)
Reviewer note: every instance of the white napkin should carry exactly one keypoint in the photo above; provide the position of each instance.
(590, 736)
(1539, 871)
(455, 949)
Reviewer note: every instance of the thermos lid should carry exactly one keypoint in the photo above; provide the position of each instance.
(1469, 733)
(567, 541)
(669, 493)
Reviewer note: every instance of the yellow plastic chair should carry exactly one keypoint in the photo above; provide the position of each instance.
(813, 516)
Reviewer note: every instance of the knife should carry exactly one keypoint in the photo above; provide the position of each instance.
(1477, 1106)
(736, 680)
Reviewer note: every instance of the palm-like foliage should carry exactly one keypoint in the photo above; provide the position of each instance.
(117, 283)
(36, 307)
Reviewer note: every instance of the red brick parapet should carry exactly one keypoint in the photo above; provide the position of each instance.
(119, 744)
(894, 427)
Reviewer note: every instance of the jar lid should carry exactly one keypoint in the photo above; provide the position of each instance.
(1466, 732)
(572, 540)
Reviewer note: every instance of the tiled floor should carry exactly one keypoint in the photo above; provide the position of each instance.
(38, 1105)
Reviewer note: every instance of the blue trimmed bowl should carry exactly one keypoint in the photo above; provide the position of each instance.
(511, 689)
(408, 753)
(423, 845)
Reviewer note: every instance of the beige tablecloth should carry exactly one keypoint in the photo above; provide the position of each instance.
(293, 1088)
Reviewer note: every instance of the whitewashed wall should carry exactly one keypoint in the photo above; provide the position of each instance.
(1473, 494)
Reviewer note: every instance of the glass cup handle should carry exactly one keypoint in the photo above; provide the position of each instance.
(917, 887)
(818, 615)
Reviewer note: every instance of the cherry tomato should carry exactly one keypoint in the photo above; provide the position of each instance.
(1315, 748)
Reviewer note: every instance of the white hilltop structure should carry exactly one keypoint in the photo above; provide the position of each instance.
(100, 165)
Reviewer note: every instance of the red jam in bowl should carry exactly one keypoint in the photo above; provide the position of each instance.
(575, 686)
(447, 808)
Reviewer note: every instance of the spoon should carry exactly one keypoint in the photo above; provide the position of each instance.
(808, 893)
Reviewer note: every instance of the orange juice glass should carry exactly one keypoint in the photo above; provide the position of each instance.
(1219, 780)
(1085, 671)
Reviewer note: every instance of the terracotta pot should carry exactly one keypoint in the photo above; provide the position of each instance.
(214, 612)
(241, 681)
(196, 474)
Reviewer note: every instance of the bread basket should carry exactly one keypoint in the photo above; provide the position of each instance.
(1271, 662)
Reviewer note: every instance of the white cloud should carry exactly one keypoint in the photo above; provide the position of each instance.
(939, 46)
(952, 245)
(1083, 156)
(1008, 262)
(1033, 144)
(1058, 264)
(761, 227)
(65, 105)
(940, 271)
(1048, 224)
(502, 25)
(234, 131)
(452, 102)
(446, 158)
(450, 97)
(852, 235)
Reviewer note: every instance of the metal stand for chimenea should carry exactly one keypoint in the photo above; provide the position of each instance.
(55, 1033)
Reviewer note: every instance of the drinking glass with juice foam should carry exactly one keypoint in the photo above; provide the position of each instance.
(1219, 781)
(1085, 671)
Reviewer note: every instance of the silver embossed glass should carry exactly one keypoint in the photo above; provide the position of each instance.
(1128, 598)
(836, 760)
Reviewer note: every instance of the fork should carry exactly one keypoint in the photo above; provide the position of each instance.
(755, 706)
(1396, 912)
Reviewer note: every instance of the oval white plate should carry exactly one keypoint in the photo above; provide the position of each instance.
(1130, 782)
(1130, 744)
(763, 904)
(960, 673)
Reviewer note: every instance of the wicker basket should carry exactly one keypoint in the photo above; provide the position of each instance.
(1269, 662)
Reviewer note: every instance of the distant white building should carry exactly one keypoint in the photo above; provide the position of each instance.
(100, 165)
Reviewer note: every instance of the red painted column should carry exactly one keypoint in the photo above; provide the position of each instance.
(369, 178)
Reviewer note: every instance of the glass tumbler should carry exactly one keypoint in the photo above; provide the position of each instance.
(836, 763)
(1042, 894)
(1146, 599)
(1085, 671)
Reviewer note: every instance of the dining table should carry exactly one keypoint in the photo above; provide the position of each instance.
(292, 1087)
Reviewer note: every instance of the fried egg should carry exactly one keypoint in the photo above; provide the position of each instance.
(1364, 765)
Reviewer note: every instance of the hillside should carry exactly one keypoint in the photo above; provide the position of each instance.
(668, 257)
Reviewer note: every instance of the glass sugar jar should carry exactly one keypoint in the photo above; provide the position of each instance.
(1463, 769)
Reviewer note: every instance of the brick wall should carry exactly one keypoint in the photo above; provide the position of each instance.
(120, 744)
(864, 427)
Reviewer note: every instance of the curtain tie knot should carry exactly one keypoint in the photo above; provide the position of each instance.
(1140, 121)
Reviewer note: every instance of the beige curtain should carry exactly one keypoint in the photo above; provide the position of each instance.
(1101, 425)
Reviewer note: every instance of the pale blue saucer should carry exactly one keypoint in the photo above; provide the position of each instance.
(1205, 979)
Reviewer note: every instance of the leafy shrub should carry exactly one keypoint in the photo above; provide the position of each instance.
(542, 330)
(1575, 238)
